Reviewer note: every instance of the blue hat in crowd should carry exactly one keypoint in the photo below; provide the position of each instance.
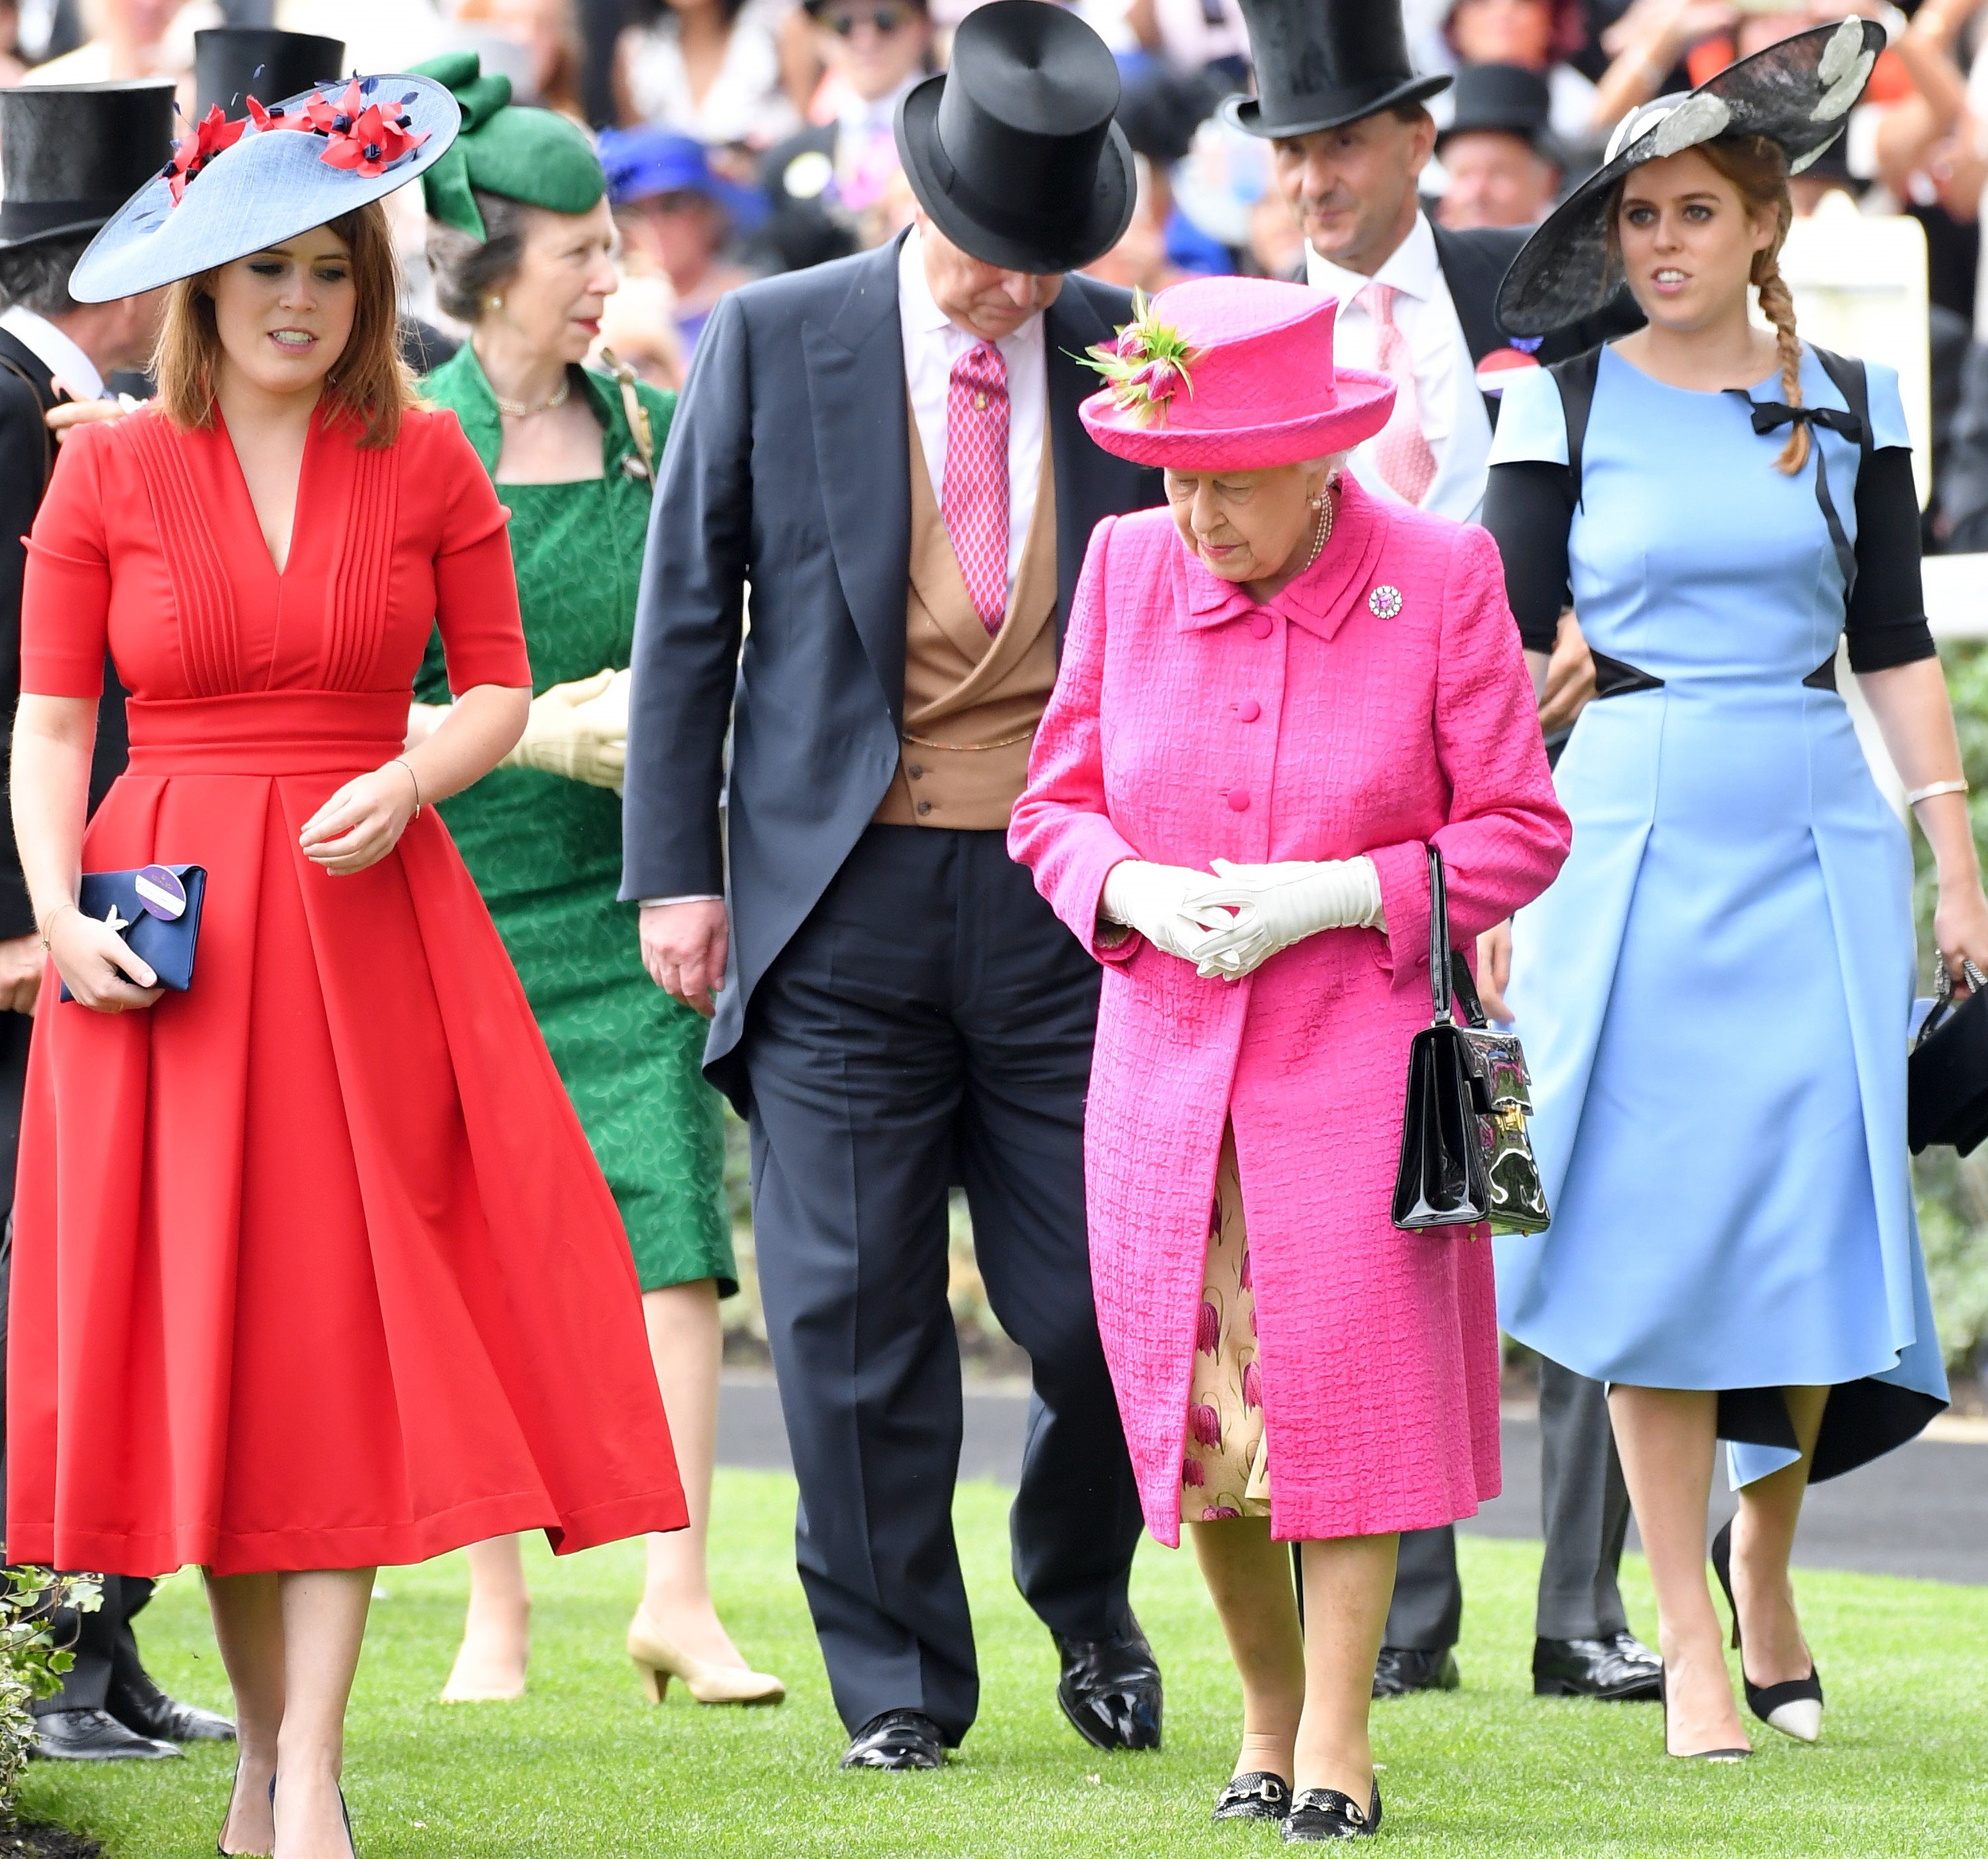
(232, 188)
(642, 163)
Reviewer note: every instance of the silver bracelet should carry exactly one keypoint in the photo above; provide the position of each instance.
(1933, 788)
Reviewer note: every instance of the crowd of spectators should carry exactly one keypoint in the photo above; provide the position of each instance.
(747, 136)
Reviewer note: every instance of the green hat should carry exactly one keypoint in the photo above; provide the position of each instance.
(537, 156)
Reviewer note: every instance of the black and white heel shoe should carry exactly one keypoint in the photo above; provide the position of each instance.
(1793, 1707)
(1324, 1814)
(1257, 1795)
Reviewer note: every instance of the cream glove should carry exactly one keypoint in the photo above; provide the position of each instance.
(564, 736)
(1150, 898)
(1275, 905)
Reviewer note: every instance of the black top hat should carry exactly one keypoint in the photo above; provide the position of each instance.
(1013, 152)
(1798, 93)
(72, 154)
(231, 64)
(1505, 99)
(1321, 63)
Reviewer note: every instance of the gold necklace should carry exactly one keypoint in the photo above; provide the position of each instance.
(519, 409)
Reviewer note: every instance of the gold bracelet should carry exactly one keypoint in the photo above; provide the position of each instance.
(1934, 787)
(48, 927)
(412, 776)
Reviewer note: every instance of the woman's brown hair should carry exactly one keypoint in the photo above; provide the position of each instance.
(1758, 169)
(369, 381)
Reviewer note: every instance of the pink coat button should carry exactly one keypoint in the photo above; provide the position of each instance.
(1248, 709)
(1238, 800)
(1259, 625)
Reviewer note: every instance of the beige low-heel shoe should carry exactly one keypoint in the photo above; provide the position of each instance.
(659, 1659)
(466, 1686)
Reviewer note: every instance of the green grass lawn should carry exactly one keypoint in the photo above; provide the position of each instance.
(585, 1766)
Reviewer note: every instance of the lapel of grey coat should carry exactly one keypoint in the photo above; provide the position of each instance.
(856, 390)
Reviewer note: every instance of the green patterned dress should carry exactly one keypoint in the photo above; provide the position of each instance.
(546, 853)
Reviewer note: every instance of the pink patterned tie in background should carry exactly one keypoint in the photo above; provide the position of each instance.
(975, 501)
(1403, 455)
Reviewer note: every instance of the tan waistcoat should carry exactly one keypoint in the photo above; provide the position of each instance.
(972, 703)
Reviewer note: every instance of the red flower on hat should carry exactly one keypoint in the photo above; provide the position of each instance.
(278, 118)
(374, 142)
(194, 150)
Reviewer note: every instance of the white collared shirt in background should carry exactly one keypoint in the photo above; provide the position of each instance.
(932, 343)
(55, 351)
(1453, 418)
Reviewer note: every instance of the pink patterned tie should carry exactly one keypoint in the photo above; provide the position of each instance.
(1406, 462)
(975, 501)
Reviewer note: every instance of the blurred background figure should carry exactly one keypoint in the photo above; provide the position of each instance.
(676, 218)
(12, 66)
(547, 33)
(1540, 36)
(826, 185)
(712, 69)
(126, 38)
(1503, 166)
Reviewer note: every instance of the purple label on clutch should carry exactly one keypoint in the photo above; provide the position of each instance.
(161, 893)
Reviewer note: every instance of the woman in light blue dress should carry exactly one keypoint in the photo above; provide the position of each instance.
(1716, 994)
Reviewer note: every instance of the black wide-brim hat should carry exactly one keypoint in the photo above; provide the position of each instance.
(71, 154)
(273, 180)
(1013, 152)
(1797, 93)
(1321, 64)
(233, 63)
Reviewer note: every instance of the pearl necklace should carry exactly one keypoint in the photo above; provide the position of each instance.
(519, 409)
(1322, 530)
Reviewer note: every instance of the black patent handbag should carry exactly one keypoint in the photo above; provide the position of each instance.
(1946, 1078)
(1466, 1158)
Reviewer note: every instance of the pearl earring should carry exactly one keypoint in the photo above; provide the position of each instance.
(493, 304)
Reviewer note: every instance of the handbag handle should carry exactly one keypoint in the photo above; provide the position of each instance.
(1450, 983)
(1942, 996)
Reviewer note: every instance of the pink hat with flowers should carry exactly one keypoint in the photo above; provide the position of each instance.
(1230, 375)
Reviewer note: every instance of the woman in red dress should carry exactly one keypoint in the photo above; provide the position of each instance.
(313, 1267)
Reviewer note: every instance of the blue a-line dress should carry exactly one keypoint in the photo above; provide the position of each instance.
(1716, 994)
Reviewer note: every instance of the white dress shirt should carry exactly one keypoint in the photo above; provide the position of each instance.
(55, 351)
(932, 343)
(1453, 418)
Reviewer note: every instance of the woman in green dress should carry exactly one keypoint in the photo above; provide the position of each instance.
(520, 240)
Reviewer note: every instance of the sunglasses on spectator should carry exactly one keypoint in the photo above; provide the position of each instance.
(887, 19)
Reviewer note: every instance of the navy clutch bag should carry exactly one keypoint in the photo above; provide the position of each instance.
(157, 910)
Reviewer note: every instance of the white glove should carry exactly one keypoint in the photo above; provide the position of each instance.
(563, 737)
(1150, 898)
(1272, 906)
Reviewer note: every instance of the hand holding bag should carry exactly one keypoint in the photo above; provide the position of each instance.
(1946, 1078)
(1466, 1155)
(159, 920)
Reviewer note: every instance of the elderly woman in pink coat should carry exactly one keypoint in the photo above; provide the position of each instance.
(1275, 695)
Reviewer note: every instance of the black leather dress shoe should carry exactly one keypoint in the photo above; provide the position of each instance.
(94, 1736)
(1324, 1814)
(1401, 1670)
(1109, 1689)
(1257, 1795)
(1621, 1670)
(140, 1705)
(896, 1739)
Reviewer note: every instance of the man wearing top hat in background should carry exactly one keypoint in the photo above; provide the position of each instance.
(886, 447)
(1344, 111)
(1499, 158)
(70, 155)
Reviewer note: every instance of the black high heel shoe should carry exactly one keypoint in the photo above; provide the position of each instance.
(1794, 1707)
(1257, 1795)
(1693, 1755)
(1324, 1814)
(218, 1837)
(351, 1844)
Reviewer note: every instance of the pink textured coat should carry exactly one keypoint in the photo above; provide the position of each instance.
(1188, 724)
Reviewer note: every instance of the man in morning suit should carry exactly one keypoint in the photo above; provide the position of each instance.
(886, 447)
(69, 155)
(1344, 114)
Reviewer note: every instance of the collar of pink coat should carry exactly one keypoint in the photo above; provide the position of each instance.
(1320, 599)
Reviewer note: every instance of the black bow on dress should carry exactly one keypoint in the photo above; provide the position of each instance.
(1769, 416)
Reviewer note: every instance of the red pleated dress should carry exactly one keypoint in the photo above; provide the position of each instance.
(313, 1266)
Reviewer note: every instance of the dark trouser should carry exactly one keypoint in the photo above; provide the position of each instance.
(931, 1022)
(1585, 1511)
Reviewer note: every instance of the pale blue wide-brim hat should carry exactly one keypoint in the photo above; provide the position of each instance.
(273, 180)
